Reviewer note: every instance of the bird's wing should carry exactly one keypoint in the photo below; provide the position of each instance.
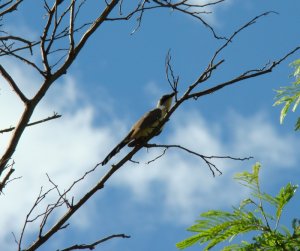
(148, 119)
(144, 122)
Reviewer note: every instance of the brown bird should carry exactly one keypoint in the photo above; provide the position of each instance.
(144, 126)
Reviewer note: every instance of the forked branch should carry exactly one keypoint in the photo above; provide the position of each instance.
(96, 243)
(205, 158)
(54, 116)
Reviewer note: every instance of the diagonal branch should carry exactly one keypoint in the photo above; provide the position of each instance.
(6, 178)
(16, 38)
(49, 80)
(205, 158)
(54, 116)
(185, 8)
(11, 8)
(93, 245)
(246, 75)
(62, 221)
(251, 22)
(13, 84)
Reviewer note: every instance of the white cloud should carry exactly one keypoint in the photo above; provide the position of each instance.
(257, 137)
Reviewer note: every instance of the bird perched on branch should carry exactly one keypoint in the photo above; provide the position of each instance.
(144, 126)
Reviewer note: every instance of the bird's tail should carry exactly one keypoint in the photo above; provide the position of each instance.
(115, 150)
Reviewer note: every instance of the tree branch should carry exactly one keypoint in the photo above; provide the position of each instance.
(11, 8)
(49, 79)
(13, 84)
(54, 116)
(16, 38)
(6, 178)
(246, 75)
(93, 245)
(205, 158)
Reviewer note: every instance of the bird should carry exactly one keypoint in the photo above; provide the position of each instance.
(144, 126)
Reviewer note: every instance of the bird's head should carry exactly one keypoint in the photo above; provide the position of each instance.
(165, 102)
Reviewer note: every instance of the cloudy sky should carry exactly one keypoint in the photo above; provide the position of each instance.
(115, 80)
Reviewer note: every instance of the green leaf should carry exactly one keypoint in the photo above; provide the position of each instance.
(285, 194)
(296, 104)
(245, 202)
(188, 242)
(267, 197)
(284, 110)
(297, 127)
(289, 95)
(216, 226)
(249, 179)
(286, 231)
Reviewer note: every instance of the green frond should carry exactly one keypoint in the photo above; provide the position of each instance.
(289, 95)
(216, 226)
(297, 126)
(283, 197)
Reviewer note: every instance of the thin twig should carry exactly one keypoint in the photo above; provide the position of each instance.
(93, 245)
(13, 84)
(203, 157)
(6, 178)
(11, 8)
(246, 75)
(54, 116)
(169, 71)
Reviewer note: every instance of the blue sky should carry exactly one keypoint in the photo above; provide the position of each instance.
(118, 77)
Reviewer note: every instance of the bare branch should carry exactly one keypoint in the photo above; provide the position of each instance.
(61, 196)
(71, 29)
(251, 22)
(16, 38)
(4, 182)
(181, 6)
(13, 84)
(11, 8)
(93, 245)
(61, 222)
(49, 79)
(41, 196)
(15, 239)
(158, 157)
(44, 37)
(9, 52)
(18, 131)
(205, 158)
(212, 66)
(246, 75)
(169, 71)
(141, 6)
(184, 7)
(54, 116)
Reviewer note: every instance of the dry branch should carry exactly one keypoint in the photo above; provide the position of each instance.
(13, 84)
(9, 6)
(5, 180)
(50, 78)
(96, 243)
(54, 116)
(205, 158)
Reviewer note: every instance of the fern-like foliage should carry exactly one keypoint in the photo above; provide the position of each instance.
(216, 226)
(289, 96)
